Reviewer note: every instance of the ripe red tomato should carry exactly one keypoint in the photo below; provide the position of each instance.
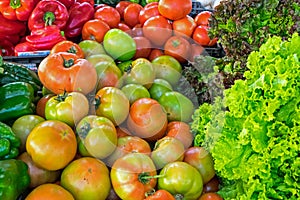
(41, 104)
(174, 9)
(94, 29)
(147, 119)
(210, 196)
(124, 27)
(177, 47)
(184, 26)
(155, 53)
(143, 47)
(108, 14)
(212, 186)
(181, 131)
(160, 195)
(196, 50)
(131, 14)
(137, 31)
(121, 7)
(202, 18)
(147, 12)
(201, 37)
(157, 29)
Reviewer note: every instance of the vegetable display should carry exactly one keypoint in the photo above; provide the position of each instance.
(253, 133)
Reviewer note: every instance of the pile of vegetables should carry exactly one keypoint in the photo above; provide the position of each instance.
(253, 132)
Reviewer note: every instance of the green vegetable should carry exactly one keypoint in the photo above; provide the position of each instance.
(14, 178)
(253, 133)
(9, 142)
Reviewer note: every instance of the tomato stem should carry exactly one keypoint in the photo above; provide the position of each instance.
(145, 177)
(84, 130)
(68, 63)
(178, 196)
(62, 97)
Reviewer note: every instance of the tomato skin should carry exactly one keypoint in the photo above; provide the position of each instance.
(160, 195)
(56, 76)
(67, 46)
(135, 91)
(177, 47)
(86, 178)
(124, 27)
(128, 176)
(201, 37)
(159, 87)
(184, 26)
(202, 18)
(91, 47)
(181, 179)
(147, 119)
(202, 161)
(41, 104)
(157, 29)
(94, 29)
(143, 47)
(121, 7)
(181, 131)
(174, 9)
(210, 196)
(109, 15)
(131, 14)
(147, 12)
(196, 50)
(212, 186)
(155, 53)
(47, 136)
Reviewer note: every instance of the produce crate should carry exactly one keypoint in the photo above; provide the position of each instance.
(197, 7)
(217, 51)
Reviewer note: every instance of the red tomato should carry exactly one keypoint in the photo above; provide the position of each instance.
(184, 26)
(212, 185)
(196, 50)
(202, 18)
(210, 196)
(41, 104)
(200, 35)
(124, 27)
(148, 12)
(121, 7)
(143, 47)
(147, 119)
(155, 53)
(154, 3)
(160, 195)
(131, 14)
(177, 47)
(98, 6)
(174, 9)
(181, 131)
(137, 30)
(108, 14)
(157, 29)
(94, 29)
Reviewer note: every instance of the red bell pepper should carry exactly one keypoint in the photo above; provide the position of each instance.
(92, 2)
(68, 3)
(14, 39)
(6, 48)
(23, 47)
(79, 13)
(12, 27)
(45, 38)
(17, 9)
(48, 12)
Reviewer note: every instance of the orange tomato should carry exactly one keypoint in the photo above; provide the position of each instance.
(181, 131)
(67, 46)
(94, 29)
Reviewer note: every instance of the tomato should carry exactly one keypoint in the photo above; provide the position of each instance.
(98, 134)
(121, 7)
(178, 48)
(64, 71)
(147, 119)
(196, 50)
(157, 29)
(212, 185)
(41, 104)
(91, 47)
(100, 58)
(134, 92)
(167, 150)
(202, 18)
(137, 31)
(147, 12)
(202, 161)
(119, 44)
(167, 68)
(184, 26)
(126, 145)
(155, 53)
(181, 131)
(177, 106)
(94, 29)
(69, 108)
(86, 178)
(201, 37)
(124, 27)
(181, 179)
(112, 103)
(49, 191)
(122, 131)
(131, 14)
(109, 15)
(67, 46)
(210, 196)
(38, 176)
(132, 176)
(112, 195)
(143, 47)
(174, 9)
(140, 73)
(51, 144)
(98, 6)
(159, 87)
(159, 195)
(23, 125)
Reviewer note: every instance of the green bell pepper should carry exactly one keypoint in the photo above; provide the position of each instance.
(9, 142)
(14, 178)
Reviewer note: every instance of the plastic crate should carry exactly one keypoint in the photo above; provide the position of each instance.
(197, 7)
(217, 51)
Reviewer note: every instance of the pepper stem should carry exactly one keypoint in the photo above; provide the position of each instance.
(145, 177)
(49, 18)
(15, 4)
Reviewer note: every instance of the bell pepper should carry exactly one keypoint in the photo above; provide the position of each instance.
(6, 48)
(16, 99)
(92, 2)
(23, 47)
(79, 13)
(48, 12)
(45, 38)
(9, 142)
(17, 9)
(14, 39)
(14, 179)
(67, 3)
(12, 27)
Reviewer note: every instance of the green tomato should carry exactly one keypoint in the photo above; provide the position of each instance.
(119, 44)
(91, 47)
(159, 87)
(100, 58)
(177, 106)
(124, 66)
(141, 73)
(135, 91)
(182, 180)
(168, 68)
